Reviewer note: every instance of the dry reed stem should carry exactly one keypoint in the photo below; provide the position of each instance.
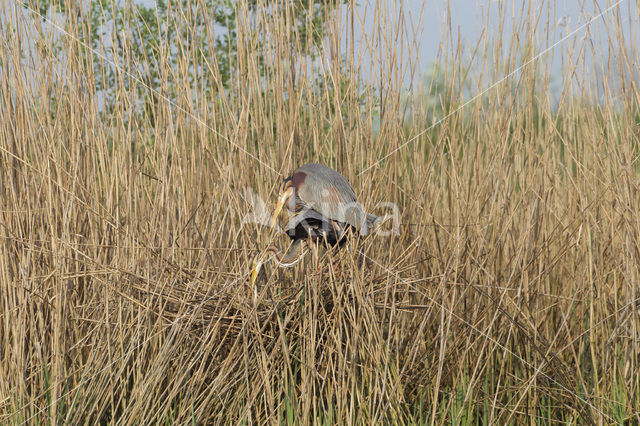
(509, 295)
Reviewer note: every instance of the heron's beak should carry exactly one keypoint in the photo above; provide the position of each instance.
(254, 271)
(283, 199)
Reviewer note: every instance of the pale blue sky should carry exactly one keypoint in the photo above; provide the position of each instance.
(468, 20)
(467, 16)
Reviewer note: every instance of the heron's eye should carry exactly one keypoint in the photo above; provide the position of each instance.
(285, 184)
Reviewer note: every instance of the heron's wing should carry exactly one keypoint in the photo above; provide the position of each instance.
(311, 224)
(356, 217)
(372, 221)
(307, 223)
(330, 194)
(306, 216)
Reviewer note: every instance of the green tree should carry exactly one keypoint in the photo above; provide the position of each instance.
(147, 41)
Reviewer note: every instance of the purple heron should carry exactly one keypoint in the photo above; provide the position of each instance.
(325, 212)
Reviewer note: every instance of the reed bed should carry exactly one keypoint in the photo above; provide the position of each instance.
(508, 294)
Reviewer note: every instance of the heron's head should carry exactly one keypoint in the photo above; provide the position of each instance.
(288, 189)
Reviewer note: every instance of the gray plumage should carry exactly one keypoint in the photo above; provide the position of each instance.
(326, 210)
(327, 192)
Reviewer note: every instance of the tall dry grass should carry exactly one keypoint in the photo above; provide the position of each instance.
(510, 295)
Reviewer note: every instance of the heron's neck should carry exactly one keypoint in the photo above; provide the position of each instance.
(290, 258)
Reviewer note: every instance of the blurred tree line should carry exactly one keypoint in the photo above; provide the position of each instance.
(144, 39)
